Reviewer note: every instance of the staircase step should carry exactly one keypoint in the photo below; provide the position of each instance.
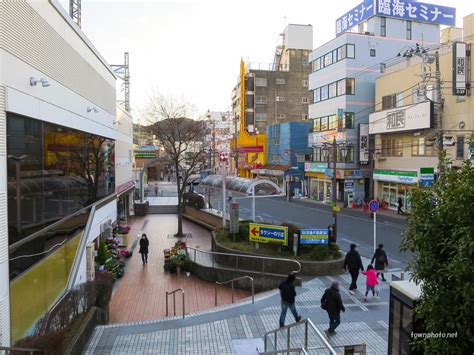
(163, 209)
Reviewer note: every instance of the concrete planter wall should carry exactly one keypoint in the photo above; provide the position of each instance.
(95, 316)
(308, 268)
(141, 209)
(203, 218)
(262, 282)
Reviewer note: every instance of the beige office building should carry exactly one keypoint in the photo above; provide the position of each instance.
(404, 125)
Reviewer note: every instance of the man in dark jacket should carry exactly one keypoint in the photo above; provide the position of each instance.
(381, 261)
(144, 244)
(353, 263)
(332, 303)
(288, 293)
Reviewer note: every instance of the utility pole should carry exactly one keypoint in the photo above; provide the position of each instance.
(439, 112)
(214, 143)
(334, 186)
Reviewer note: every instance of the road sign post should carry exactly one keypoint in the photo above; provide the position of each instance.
(374, 207)
(234, 219)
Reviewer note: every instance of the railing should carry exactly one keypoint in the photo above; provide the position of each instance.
(244, 256)
(9, 349)
(232, 283)
(307, 323)
(287, 351)
(174, 301)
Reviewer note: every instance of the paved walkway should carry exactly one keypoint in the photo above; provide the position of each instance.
(221, 331)
(140, 294)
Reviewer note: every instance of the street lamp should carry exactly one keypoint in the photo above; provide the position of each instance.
(18, 160)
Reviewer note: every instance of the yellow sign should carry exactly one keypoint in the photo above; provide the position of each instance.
(265, 233)
(336, 209)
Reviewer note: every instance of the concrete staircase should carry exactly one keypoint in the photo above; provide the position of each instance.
(162, 209)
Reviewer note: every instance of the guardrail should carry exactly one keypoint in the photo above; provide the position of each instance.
(232, 283)
(307, 323)
(174, 301)
(287, 351)
(244, 256)
(9, 349)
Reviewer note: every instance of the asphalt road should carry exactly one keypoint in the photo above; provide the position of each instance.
(353, 226)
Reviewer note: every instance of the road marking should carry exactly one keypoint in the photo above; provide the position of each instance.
(345, 215)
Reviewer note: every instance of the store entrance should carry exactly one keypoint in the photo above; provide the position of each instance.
(389, 196)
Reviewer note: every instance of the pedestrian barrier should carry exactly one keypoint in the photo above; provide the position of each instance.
(174, 301)
(232, 283)
(240, 259)
(8, 350)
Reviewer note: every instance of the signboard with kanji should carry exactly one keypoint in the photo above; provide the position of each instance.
(234, 218)
(265, 233)
(314, 236)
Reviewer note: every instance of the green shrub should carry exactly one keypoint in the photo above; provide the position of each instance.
(103, 285)
(52, 343)
(194, 200)
(320, 253)
(292, 230)
(102, 253)
(334, 250)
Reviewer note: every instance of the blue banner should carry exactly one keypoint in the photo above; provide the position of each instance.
(314, 236)
(417, 11)
(357, 15)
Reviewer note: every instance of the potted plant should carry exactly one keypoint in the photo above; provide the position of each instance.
(172, 264)
(102, 256)
(187, 266)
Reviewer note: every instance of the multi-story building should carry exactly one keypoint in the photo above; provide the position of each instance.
(268, 94)
(62, 157)
(342, 86)
(285, 155)
(406, 122)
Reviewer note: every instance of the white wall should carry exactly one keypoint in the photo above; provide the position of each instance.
(123, 148)
(102, 215)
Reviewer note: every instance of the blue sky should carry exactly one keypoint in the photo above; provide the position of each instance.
(192, 49)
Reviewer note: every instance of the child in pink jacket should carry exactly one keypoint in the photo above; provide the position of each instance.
(371, 281)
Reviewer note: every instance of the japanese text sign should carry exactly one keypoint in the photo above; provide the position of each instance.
(417, 11)
(402, 9)
(314, 236)
(357, 15)
(265, 233)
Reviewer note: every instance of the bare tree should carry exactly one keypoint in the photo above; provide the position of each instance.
(182, 138)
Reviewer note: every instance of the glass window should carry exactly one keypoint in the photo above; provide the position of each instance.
(260, 81)
(333, 122)
(259, 117)
(280, 98)
(332, 90)
(324, 123)
(409, 30)
(317, 124)
(460, 147)
(318, 63)
(304, 83)
(304, 100)
(383, 26)
(349, 118)
(304, 116)
(350, 86)
(350, 51)
(372, 52)
(342, 53)
(317, 95)
(328, 59)
(324, 93)
(334, 56)
(260, 100)
(341, 87)
(280, 81)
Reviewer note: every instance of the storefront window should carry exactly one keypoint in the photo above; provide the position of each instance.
(53, 171)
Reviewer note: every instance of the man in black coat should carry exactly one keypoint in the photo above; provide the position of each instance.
(288, 294)
(353, 263)
(381, 261)
(332, 303)
(144, 244)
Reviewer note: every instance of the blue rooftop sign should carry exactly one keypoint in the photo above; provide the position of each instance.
(402, 9)
(357, 15)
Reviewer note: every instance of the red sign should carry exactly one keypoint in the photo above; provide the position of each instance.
(250, 149)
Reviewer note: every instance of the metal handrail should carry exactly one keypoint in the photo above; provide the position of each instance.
(174, 301)
(9, 349)
(237, 256)
(307, 323)
(232, 283)
(287, 351)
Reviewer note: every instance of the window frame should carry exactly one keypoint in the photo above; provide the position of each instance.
(350, 45)
(460, 141)
(383, 26)
(305, 83)
(304, 100)
(258, 102)
(261, 120)
(280, 81)
(409, 30)
(261, 79)
(372, 52)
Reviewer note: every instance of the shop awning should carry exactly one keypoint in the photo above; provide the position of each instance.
(242, 185)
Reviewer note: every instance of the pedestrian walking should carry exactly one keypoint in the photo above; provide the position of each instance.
(144, 243)
(371, 281)
(288, 294)
(381, 261)
(331, 302)
(400, 205)
(353, 263)
(156, 190)
(331, 236)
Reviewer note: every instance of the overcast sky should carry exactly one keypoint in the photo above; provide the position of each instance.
(193, 48)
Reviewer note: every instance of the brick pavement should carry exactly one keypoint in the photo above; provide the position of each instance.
(140, 294)
(215, 331)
